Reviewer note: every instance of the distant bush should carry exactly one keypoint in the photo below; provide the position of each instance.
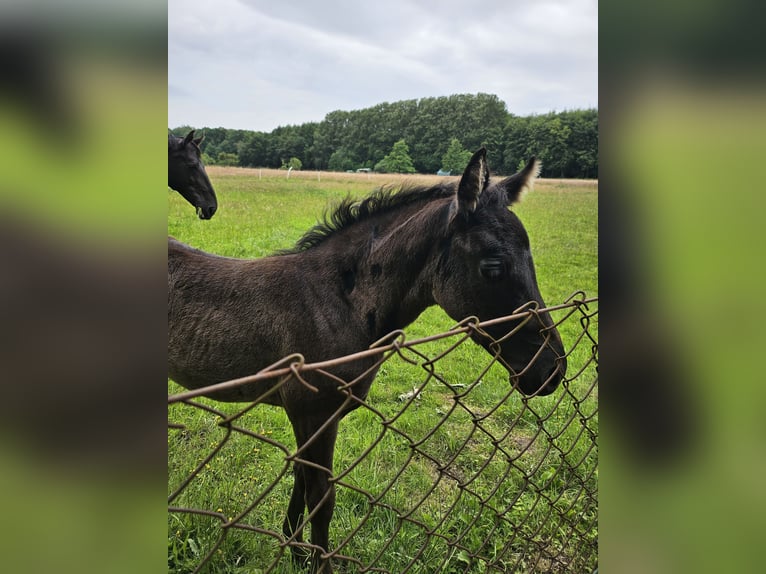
(225, 158)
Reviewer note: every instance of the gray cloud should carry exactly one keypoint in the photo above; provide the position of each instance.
(253, 64)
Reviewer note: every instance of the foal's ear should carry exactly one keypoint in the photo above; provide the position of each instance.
(474, 180)
(189, 137)
(198, 140)
(519, 183)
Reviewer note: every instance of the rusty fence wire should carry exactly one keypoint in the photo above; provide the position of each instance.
(445, 467)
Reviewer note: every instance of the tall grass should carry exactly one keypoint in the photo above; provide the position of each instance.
(467, 497)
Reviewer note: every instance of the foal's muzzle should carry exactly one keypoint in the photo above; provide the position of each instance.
(206, 212)
(541, 382)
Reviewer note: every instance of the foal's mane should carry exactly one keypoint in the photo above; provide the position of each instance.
(350, 211)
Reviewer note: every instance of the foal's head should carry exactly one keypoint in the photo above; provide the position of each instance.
(486, 270)
(187, 175)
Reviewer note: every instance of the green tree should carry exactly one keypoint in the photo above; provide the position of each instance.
(583, 143)
(225, 158)
(329, 136)
(554, 137)
(517, 146)
(211, 143)
(398, 161)
(566, 142)
(294, 163)
(340, 160)
(253, 150)
(181, 131)
(455, 158)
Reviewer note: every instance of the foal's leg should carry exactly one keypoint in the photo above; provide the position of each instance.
(319, 491)
(295, 514)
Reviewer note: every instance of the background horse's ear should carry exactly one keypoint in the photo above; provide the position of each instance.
(474, 180)
(189, 137)
(519, 183)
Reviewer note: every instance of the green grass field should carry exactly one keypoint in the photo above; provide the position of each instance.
(497, 472)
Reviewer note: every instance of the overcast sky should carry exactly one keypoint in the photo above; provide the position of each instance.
(259, 64)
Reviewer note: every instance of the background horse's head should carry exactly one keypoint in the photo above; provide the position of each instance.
(486, 270)
(187, 175)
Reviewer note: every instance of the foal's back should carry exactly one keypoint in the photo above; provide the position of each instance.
(230, 318)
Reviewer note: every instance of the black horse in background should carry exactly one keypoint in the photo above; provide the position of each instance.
(186, 174)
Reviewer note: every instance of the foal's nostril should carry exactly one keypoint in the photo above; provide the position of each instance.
(550, 382)
(557, 373)
(546, 384)
(206, 212)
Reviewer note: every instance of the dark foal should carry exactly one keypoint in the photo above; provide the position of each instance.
(372, 267)
(187, 175)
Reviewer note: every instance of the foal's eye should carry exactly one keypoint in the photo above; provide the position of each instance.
(491, 269)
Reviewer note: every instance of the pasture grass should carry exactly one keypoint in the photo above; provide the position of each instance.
(497, 471)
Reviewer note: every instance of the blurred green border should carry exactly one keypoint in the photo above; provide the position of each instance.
(97, 185)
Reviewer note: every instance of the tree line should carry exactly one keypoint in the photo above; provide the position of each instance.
(434, 133)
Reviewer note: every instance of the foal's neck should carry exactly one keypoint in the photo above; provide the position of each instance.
(390, 265)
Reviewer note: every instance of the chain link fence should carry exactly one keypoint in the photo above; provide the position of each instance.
(444, 468)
